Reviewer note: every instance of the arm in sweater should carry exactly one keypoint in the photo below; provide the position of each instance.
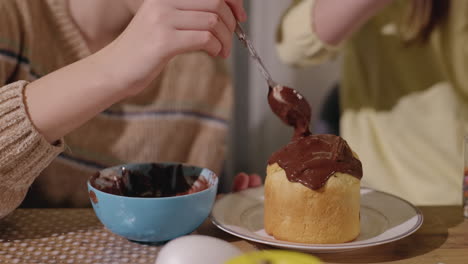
(33, 115)
(312, 30)
(24, 152)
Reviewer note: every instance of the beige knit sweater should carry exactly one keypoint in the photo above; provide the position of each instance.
(183, 116)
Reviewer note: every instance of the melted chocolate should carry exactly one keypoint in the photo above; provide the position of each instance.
(313, 159)
(292, 108)
(93, 197)
(157, 181)
(308, 159)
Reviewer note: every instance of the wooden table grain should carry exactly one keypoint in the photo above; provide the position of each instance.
(76, 236)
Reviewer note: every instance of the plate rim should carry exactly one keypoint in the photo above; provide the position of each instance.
(326, 247)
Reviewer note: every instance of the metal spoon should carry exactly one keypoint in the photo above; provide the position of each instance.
(253, 53)
(287, 103)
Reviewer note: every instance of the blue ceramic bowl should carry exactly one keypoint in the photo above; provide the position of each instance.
(154, 219)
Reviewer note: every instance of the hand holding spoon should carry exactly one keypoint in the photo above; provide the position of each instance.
(287, 103)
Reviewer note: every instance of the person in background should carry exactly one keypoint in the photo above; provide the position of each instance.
(404, 88)
(109, 82)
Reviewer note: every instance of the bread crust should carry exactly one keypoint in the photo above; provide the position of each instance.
(296, 213)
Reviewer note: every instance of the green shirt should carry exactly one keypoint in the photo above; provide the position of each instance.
(403, 104)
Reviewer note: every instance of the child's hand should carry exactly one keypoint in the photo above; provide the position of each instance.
(244, 181)
(162, 29)
(178, 26)
(159, 30)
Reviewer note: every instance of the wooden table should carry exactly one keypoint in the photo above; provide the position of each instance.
(76, 236)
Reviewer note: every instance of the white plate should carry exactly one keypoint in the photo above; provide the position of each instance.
(384, 218)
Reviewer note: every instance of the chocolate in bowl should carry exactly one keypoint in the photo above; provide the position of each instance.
(152, 202)
(156, 180)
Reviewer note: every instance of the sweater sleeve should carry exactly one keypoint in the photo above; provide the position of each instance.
(297, 43)
(24, 152)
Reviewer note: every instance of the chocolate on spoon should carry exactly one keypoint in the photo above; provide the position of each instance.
(288, 104)
(292, 108)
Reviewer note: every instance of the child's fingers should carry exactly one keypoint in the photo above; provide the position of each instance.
(255, 180)
(205, 21)
(192, 40)
(241, 182)
(238, 8)
(219, 7)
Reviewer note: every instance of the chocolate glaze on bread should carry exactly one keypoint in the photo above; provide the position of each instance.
(309, 159)
(313, 159)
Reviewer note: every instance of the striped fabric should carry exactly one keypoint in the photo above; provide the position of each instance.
(182, 116)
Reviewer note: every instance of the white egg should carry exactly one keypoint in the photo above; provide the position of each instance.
(196, 249)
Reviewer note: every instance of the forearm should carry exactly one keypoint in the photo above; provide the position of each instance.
(64, 100)
(334, 20)
(67, 98)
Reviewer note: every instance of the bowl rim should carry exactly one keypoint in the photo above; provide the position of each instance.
(215, 185)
